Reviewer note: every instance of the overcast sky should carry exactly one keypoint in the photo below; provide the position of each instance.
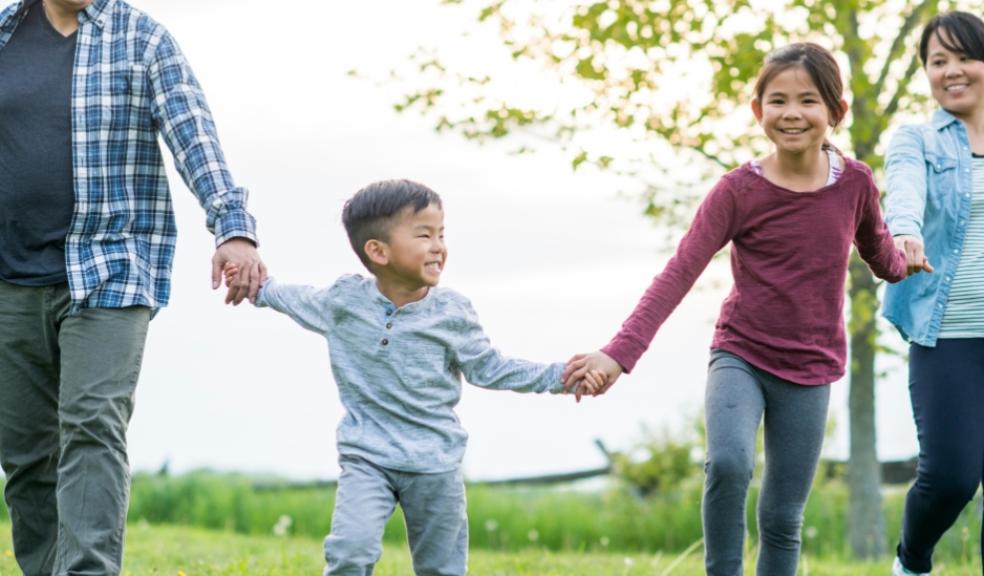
(553, 260)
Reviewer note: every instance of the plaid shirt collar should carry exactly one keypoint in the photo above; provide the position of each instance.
(95, 12)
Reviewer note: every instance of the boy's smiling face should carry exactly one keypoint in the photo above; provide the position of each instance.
(414, 255)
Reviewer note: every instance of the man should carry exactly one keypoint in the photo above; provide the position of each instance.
(87, 239)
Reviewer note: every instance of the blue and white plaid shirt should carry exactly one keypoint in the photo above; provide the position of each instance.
(130, 82)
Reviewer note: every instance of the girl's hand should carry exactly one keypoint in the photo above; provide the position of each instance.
(580, 365)
(915, 256)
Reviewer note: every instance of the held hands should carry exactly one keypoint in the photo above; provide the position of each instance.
(915, 257)
(239, 256)
(591, 384)
(581, 367)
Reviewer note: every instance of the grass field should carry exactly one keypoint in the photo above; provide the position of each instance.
(180, 551)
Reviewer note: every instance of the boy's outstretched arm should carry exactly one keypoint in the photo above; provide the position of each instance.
(307, 305)
(580, 366)
(483, 365)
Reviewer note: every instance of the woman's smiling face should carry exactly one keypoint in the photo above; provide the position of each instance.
(956, 80)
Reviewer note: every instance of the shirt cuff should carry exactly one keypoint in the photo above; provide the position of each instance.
(235, 224)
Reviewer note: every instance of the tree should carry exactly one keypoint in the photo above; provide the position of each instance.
(674, 77)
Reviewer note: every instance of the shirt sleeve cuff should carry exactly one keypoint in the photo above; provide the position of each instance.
(235, 224)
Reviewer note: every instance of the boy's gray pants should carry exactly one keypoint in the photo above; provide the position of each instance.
(66, 395)
(737, 397)
(433, 508)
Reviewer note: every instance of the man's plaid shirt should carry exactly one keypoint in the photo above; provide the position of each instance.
(130, 83)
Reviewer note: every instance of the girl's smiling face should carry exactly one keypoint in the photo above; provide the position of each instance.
(792, 112)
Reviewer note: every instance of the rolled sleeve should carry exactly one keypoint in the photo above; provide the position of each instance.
(905, 174)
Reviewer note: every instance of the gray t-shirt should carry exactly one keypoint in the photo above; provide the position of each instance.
(37, 195)
(398, 370)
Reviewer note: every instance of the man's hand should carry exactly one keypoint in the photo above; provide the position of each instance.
(241, 254)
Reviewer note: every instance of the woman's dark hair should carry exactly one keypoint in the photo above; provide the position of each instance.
(964, 35)
(818, 63)
(368, 215)
(25, 7)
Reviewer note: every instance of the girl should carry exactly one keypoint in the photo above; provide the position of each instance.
(779, 342)
(935, 175)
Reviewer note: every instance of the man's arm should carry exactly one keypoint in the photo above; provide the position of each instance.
(183, 118)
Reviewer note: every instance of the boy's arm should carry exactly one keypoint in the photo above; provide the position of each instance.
(483, 365)
(308, 306)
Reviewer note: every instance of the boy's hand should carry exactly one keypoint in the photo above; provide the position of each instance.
(230, 272)
(241, 253)
(593, 381)
(580, 365)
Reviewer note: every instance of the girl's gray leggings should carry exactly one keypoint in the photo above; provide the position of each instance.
(737, 397)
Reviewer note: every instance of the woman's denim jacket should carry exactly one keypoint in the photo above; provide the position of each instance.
(928, 175)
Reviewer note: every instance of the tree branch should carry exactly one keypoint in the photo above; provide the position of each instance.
(899, 43)
(903, 88)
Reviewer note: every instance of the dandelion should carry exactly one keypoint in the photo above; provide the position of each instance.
(491, 525)
(8, 554)
(282, 527)
(604, 541)
(811, 532)
(181, 573)
(533, 535)
(628, 562)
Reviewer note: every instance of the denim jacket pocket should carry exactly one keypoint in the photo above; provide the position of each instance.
(940, 163)
(941, 170)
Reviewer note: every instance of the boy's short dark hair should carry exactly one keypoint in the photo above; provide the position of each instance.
(368, 215)
(965, 31)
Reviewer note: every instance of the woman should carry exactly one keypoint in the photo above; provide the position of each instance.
(935, 210)
(87, 238)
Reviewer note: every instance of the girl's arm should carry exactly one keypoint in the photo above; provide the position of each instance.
(874, 241)
(714, 225)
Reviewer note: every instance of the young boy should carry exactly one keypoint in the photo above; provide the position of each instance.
(399, 346)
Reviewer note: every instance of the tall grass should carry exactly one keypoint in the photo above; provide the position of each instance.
(513, 518)
(517, 518)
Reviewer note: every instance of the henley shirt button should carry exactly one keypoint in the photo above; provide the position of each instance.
(385, 341)
(389, 325)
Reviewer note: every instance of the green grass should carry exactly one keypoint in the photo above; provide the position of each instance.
(510, 519)
(177, 551)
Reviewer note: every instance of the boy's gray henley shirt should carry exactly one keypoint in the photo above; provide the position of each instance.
(398, 370)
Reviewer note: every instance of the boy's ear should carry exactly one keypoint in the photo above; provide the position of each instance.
(757, 110)
(377, 252)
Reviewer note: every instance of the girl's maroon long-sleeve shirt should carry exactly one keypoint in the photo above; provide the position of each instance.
(789, 259)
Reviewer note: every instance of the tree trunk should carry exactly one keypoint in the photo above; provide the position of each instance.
(866, 522)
